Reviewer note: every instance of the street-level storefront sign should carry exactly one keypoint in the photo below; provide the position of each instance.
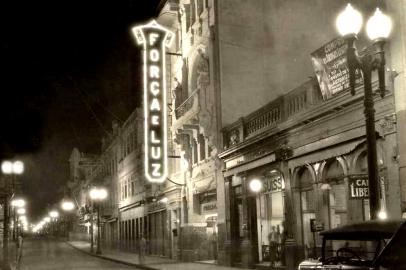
(316, 225)
(155, 39)
(274, 183)
(208, 207)
(358, 186)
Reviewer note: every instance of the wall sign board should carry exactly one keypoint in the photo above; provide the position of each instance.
(155, 39)
(358, 187)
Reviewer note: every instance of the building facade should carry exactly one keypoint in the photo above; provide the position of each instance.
(309, 155)
(233, 57)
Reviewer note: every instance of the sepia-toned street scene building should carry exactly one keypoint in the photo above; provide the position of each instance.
(263, 128)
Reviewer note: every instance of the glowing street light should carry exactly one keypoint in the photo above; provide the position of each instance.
(68, 206)
(349, 23)
(255, 185)
(18, 203)
(98, 194)
(54, 214)
(379, 26)
(21, 211)
(12, 167)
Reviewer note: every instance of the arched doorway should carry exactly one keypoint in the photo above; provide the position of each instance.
(334, 192)
(305, 181)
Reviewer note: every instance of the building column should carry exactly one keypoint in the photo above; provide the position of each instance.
(247, 245)
(225, 253)
(293, 251)
(397, 75)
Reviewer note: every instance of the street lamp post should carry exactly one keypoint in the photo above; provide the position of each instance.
(8, 168)
(20, 212)
(16, 204)
(349, 23)
(67, 206)
(91, 229)
(54, 216)
(97, 195)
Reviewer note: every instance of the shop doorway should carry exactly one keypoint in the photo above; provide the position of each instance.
(270, 204)
(308, 207)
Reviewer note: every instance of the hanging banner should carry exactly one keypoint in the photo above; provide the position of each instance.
(155, 39)
(331, 69)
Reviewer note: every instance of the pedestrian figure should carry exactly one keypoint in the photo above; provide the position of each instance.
(278, 241)
(142, 249)
(284, 236)
(213, 243)
(19, 249)
(273, 246)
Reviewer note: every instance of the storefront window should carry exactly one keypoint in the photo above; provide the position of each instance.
(270, 225)
(338, 205)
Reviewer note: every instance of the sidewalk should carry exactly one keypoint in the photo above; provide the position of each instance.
(150, 262)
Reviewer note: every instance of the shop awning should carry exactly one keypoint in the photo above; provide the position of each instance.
(250, 165)
(321, 151)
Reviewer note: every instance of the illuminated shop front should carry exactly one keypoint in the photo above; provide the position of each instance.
(256, 206)
(270, 216)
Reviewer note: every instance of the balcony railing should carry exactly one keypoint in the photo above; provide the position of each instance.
(302, 105)
(186, 105)
(289, 106)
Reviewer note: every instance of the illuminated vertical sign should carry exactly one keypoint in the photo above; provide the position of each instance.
(154, 39)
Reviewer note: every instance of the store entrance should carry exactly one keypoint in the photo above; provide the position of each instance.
(270, 219)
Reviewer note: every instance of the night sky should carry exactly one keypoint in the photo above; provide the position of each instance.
(68, 68)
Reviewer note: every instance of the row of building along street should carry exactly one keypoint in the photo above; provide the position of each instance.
(266, 143)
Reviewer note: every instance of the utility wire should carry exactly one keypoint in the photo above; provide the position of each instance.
(83, 98)
(103, 106)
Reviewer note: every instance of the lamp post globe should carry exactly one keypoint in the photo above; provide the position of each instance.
(68, 205)
(18, 167)
(255, 185)
(54, 214)
(349, 21)
(93, 193)
(102, 193)
(7, 167)
(379, 26)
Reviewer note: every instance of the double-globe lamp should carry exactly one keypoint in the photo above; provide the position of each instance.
(378, 28)
(349, 22)
(12, 167)
(18, 203)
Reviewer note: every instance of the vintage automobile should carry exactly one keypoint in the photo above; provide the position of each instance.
(369, 245)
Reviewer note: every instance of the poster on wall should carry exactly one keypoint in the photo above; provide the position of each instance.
(331, 69)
